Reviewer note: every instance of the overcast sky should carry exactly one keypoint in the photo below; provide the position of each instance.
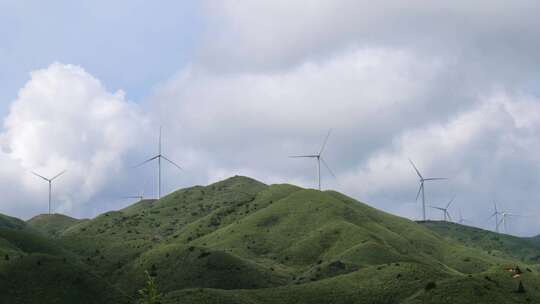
(240, 85)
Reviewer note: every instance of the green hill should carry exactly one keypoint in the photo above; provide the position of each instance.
(496, 244)
(53, 224)
(35, 269)
(241, 241)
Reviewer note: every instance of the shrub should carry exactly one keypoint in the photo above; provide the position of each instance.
(521, 289)
(430, 285)
(149, 294)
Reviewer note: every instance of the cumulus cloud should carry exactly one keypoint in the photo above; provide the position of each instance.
(64, 118)
(271, 34)
(488, 152)
(255, 120)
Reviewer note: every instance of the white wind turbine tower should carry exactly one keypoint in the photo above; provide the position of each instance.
(319, 159)
(495, 214)
(49, 180)
(462, 220)
(159, 156)
(421, 189)
(446, 214)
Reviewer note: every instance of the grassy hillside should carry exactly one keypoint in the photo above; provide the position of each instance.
(53, 224)
(394, 283)
(495, 244)
(241, 241)
(35, 269)
(240, 234)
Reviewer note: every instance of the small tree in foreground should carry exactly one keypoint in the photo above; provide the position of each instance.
(521, 289)
(149, 294)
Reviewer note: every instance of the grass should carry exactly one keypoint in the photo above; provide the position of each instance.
(53, 225)
(495, 244)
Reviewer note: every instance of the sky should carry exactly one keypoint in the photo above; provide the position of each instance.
(240, 86)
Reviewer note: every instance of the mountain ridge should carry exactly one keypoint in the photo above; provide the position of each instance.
(242, 240)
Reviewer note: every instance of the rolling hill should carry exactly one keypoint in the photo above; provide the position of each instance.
(36, 269)
(53, 225)
(495, 244)
(241, 241)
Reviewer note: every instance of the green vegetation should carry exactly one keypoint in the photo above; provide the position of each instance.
(53, 225)
(495, 244)
(36, 269)
(241, 241)
(149, 294)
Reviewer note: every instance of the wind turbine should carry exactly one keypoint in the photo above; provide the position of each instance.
(319, 159)
(445, 209)
(495, 214)
(421, 189)
(49, 180)
(159, 156)
(504, 214)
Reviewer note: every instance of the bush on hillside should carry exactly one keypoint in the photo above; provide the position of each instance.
(149, 294)
(430, 285)
(521, 289)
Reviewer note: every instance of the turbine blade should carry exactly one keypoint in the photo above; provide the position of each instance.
(170, 161)
(328, 167)
(39, 176)
(435, 178)
(57, 175)
(325, 141)
(304, 156)
(416, 169)
(159, 148)
(449, 217)
(148, 160)
(451, 201)
(419, 190)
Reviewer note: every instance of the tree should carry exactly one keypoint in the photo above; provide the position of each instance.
(149, 294)
(521, 289)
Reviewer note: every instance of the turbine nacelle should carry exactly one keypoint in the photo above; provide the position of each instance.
(319, 159)
(446, 214)
(49, 180)
(159, 157)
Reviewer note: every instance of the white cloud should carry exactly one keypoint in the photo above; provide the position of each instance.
(237, 120)
(64, 118)
(488, 152)
(273, 34)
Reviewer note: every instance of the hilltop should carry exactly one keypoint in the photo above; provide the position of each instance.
(242, 241)
(53, 225)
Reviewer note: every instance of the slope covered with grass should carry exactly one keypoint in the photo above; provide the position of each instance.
(239, 237)
(241, 241)
(495, 244)
(36, 269)
(53, 224)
